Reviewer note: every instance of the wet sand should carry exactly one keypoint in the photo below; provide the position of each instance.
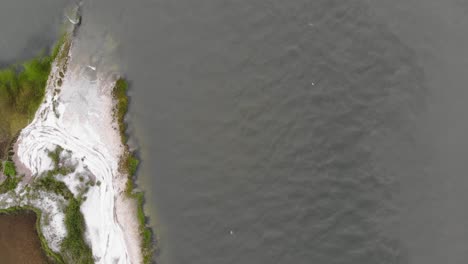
(19, 242)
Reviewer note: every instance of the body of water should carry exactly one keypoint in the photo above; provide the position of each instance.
(19, 242)
(271, 131)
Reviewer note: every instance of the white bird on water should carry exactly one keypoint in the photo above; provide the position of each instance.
(231, 232)
(91, 67)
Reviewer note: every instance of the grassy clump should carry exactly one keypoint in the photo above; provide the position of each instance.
(61, 171)
(130, 165)
(58, 168)
(9, 169)
(50, 184)
(120, 95)
(74, 247)
(11, 181)
(55, 155)
(146, 234)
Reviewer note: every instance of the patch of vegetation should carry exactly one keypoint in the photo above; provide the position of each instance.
(59, 168)
(120, 95)
(10, 183)
(55, 155)
(146, 234)
(132, 164)
(74, 247)
(51, 184)
(48, 181)
(12, 180)
(22, 89)
(9, 169)
(61, 171)
(129, 165)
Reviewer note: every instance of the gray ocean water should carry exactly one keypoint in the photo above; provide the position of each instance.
(293, 131)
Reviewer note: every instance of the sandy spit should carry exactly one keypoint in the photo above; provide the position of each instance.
(78, 116)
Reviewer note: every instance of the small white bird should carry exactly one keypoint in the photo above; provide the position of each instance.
(231, 232)
(91, 67)
(74, 22)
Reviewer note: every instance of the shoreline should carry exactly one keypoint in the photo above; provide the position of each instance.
(128, 166)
